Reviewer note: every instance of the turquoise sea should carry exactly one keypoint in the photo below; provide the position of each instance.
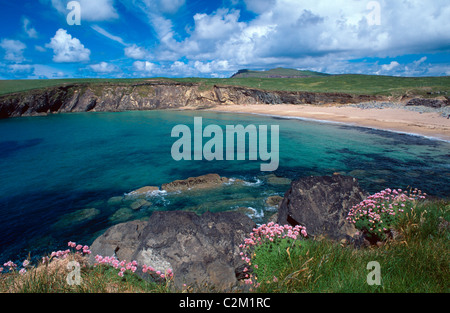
(62, 176)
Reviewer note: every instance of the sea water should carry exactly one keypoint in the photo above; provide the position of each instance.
(64, 177)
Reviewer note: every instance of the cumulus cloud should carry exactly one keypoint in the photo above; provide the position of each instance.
(67, 49)
(104, 67)
(144, 66)
(135, 52)
(98, 10)
(13, 50)
(389, 67)
(285, 33)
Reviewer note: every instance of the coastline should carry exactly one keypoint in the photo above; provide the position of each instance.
(431, 125)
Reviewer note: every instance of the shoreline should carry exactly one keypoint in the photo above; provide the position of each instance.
(431, 125)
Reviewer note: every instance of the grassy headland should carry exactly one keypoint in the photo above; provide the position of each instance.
(352, 84)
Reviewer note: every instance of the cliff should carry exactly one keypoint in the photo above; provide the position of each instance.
(83, 97)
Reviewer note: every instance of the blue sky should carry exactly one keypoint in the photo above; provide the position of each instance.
(195, 38)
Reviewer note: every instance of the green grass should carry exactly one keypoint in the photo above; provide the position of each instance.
(417, 262)
(352, 84)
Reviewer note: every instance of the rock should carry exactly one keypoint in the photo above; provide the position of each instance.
(201, 182)
(321, 204)
(274, 201)
(144, 191)
(432, 103)
(199, 249)
(79, 216)
(153, 94)
(139, 204)
(113, 201)
(272, 179)
(121, 215)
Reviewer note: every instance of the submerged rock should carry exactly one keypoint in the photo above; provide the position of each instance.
(139, 204)
(122, 215)
(79, 216)
(322, 204)
(199, 249)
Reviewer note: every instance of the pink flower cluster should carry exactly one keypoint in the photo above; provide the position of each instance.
(267, 233)
(62, 254)
(131, 266)
(271, 232)
(10, 264)
(376, 213)
(80, 248)
(168, 273)
(114, 262)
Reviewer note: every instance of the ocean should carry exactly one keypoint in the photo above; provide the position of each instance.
(64, 177)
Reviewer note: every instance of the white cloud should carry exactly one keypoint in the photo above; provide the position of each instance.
(135, 52)
(259, 6)
(104, 67)
(286, 33)
(91, 10)
(67, 49)
(21, 68)
(30, 31)
(220, 25)
(170, 6)
(389, 67)
(13, 50)
(105, 33)
(144, 66)
(39, 48)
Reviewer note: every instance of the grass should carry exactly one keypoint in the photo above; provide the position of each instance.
(352, 84)
(416, 261)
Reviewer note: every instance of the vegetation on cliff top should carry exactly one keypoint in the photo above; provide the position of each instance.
(348, 83)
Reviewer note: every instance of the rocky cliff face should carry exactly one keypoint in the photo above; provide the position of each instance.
(153, 95)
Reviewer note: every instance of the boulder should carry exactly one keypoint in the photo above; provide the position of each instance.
(201, 182)
(274, 201)
(321, 204)
(199, 249)
(432, 103)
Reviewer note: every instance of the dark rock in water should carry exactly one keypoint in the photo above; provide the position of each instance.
(321, 204)
(200, 182)
(199, 249)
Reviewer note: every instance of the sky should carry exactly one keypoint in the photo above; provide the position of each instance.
(46, 39)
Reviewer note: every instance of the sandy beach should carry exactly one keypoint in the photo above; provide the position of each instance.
(428, 124)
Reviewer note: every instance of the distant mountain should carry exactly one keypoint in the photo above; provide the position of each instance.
(277, 73)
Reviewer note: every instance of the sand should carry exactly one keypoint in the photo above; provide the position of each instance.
(432, 125)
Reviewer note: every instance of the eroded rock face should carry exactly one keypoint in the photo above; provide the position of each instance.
(322, 203)
(152, 94)
(199, 249)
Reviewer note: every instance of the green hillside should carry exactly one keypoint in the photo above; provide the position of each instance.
(428, 87)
